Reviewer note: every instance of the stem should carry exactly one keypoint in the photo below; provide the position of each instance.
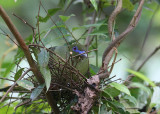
(96, 52)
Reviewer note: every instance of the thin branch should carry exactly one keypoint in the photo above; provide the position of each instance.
(33, 28)
(38, 24)
(155, 50)
(23, 21)
(115, 62)
(4, 33)
(6, 79)
(11, 88)
(9, 103)
(116, 52)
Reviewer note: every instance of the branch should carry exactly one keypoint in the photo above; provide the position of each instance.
(88, 39)
(112, 17)
(103, 75)
(11, 88)
(121, 37)
(111, 20)
(30, 60)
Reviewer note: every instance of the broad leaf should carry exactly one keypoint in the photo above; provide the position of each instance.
(110, 92)
(141, 76)
(25, 84)
(36, 92)
(117, 106)
(43, 58)
(18, 74)
(131, 99)
(94, 3)
(120, 87)
(46, 75)
(129, 107)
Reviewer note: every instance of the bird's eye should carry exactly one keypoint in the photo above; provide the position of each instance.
(74, 48)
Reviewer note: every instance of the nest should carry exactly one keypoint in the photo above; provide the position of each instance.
(66, 79)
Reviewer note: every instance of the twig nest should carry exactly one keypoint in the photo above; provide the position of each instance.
(68, 66)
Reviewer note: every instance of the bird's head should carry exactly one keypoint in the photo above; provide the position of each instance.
(79, 51)
(75, 49)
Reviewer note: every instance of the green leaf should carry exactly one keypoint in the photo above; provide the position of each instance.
(141, 86)
(46, 75)
(110, 92)
(36, 92)
(94, 3)
(29, 39)
(25, 84)
(97, 25)
(120, 87)
(128, 5)
(10, 3)
(19, 55)
(101, 23)
(117, 106)
(101, 30)
(131, 99)
(141, 76)
(43, 58)
(129, 107)
(51, 12)
(65, 18)
(58, 26)
(98, 34)
(18, 74)
(8, 66)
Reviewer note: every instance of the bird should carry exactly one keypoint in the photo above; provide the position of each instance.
(83, 53)
(76, 55)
